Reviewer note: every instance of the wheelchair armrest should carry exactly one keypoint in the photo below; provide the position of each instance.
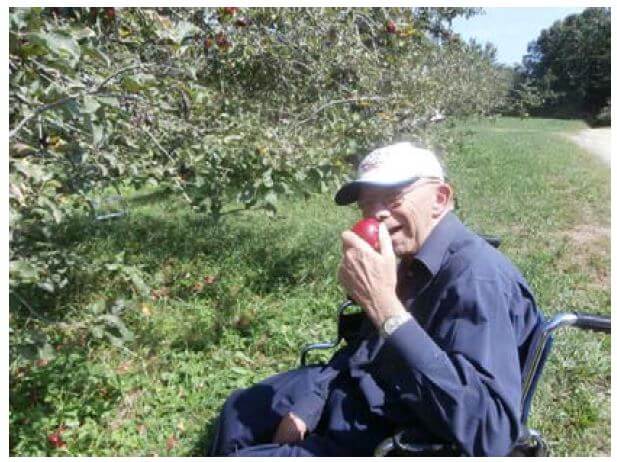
(529, 444)
(402, 444)
(344, 323)
(593, 322)
(495, 241)
(316, 346)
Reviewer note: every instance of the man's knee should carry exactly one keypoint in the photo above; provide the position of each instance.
(251, 415)
(230, 402)
(246, 418)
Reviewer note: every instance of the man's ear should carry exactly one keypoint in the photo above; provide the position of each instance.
(443, 200)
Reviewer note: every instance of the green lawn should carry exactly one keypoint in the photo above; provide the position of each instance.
(271, 287)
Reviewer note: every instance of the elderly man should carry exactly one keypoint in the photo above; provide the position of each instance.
(447, 325)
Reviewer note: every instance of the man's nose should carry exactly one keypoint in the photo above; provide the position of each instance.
(382, 214)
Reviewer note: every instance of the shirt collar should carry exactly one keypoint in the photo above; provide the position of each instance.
(432, 252)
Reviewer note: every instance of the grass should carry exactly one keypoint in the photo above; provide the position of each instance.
(271, 287)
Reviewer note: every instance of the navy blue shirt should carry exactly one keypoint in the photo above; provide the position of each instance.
(453, 371)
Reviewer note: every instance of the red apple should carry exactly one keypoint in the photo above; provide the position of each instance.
(391, 26)
(368, 229)
(222, 41)
(55, 439)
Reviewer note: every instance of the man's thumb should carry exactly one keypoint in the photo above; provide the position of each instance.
(385, 241)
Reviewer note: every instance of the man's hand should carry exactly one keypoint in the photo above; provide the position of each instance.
(291, 430)
(369, 277)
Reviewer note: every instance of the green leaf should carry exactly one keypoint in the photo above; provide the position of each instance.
(130, 84)
(80, 33)
(53, 208)
(182, 30)
(64, 43)
(114, 321)
(97, 134)
(13, 43)
(70, 109)
(47, 286)
(96, 53)
(23, 271)
(46, 352)
(29, 170)
(228, 139)
(18, 18)
(29, 352)
(61, 44)
(271, 198)
(97, 332)
(109, 100)
(90, 105)
(97, 307)
(115, 341)
(137, 281)
(266, 178)
(135, 83)
(239, 370)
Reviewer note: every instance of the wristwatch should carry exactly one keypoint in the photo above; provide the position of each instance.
(392, 323)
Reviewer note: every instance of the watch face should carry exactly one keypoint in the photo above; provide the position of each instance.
(391, 324)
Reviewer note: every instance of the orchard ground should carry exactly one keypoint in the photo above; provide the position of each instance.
(595, 140)
(233, 302)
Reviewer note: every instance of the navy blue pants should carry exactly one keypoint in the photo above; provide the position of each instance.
(250, 417)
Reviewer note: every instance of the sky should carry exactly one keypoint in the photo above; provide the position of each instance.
(510, 29)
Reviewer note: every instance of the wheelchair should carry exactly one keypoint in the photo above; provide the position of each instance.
(531, 442)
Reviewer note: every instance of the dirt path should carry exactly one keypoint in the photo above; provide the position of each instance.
(594, 140)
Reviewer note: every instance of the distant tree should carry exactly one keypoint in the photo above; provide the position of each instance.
(569, 63)
(523, 95)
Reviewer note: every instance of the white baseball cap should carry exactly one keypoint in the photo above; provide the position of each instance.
(391, 166)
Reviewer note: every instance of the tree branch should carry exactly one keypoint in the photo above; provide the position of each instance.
(113, 76)
(340, 101)
(158, 145)
(37, 111)
(65, 99)
(40, 317)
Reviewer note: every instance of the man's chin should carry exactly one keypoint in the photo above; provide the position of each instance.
(402, 249)
(399, 250)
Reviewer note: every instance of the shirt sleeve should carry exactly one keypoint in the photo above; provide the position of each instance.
(315, 386)
(467, 387)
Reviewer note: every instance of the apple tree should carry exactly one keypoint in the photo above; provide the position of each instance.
(225, 106)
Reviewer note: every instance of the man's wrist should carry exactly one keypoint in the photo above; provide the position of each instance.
(387, 308)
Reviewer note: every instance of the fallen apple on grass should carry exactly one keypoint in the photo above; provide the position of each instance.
(55, 439)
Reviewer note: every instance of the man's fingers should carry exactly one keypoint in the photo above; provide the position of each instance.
(291, 429)
(299, 424)
(351, 239)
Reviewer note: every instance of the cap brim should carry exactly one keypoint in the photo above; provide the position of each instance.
(349, 192)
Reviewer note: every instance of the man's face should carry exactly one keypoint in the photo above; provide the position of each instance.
(407, 212)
